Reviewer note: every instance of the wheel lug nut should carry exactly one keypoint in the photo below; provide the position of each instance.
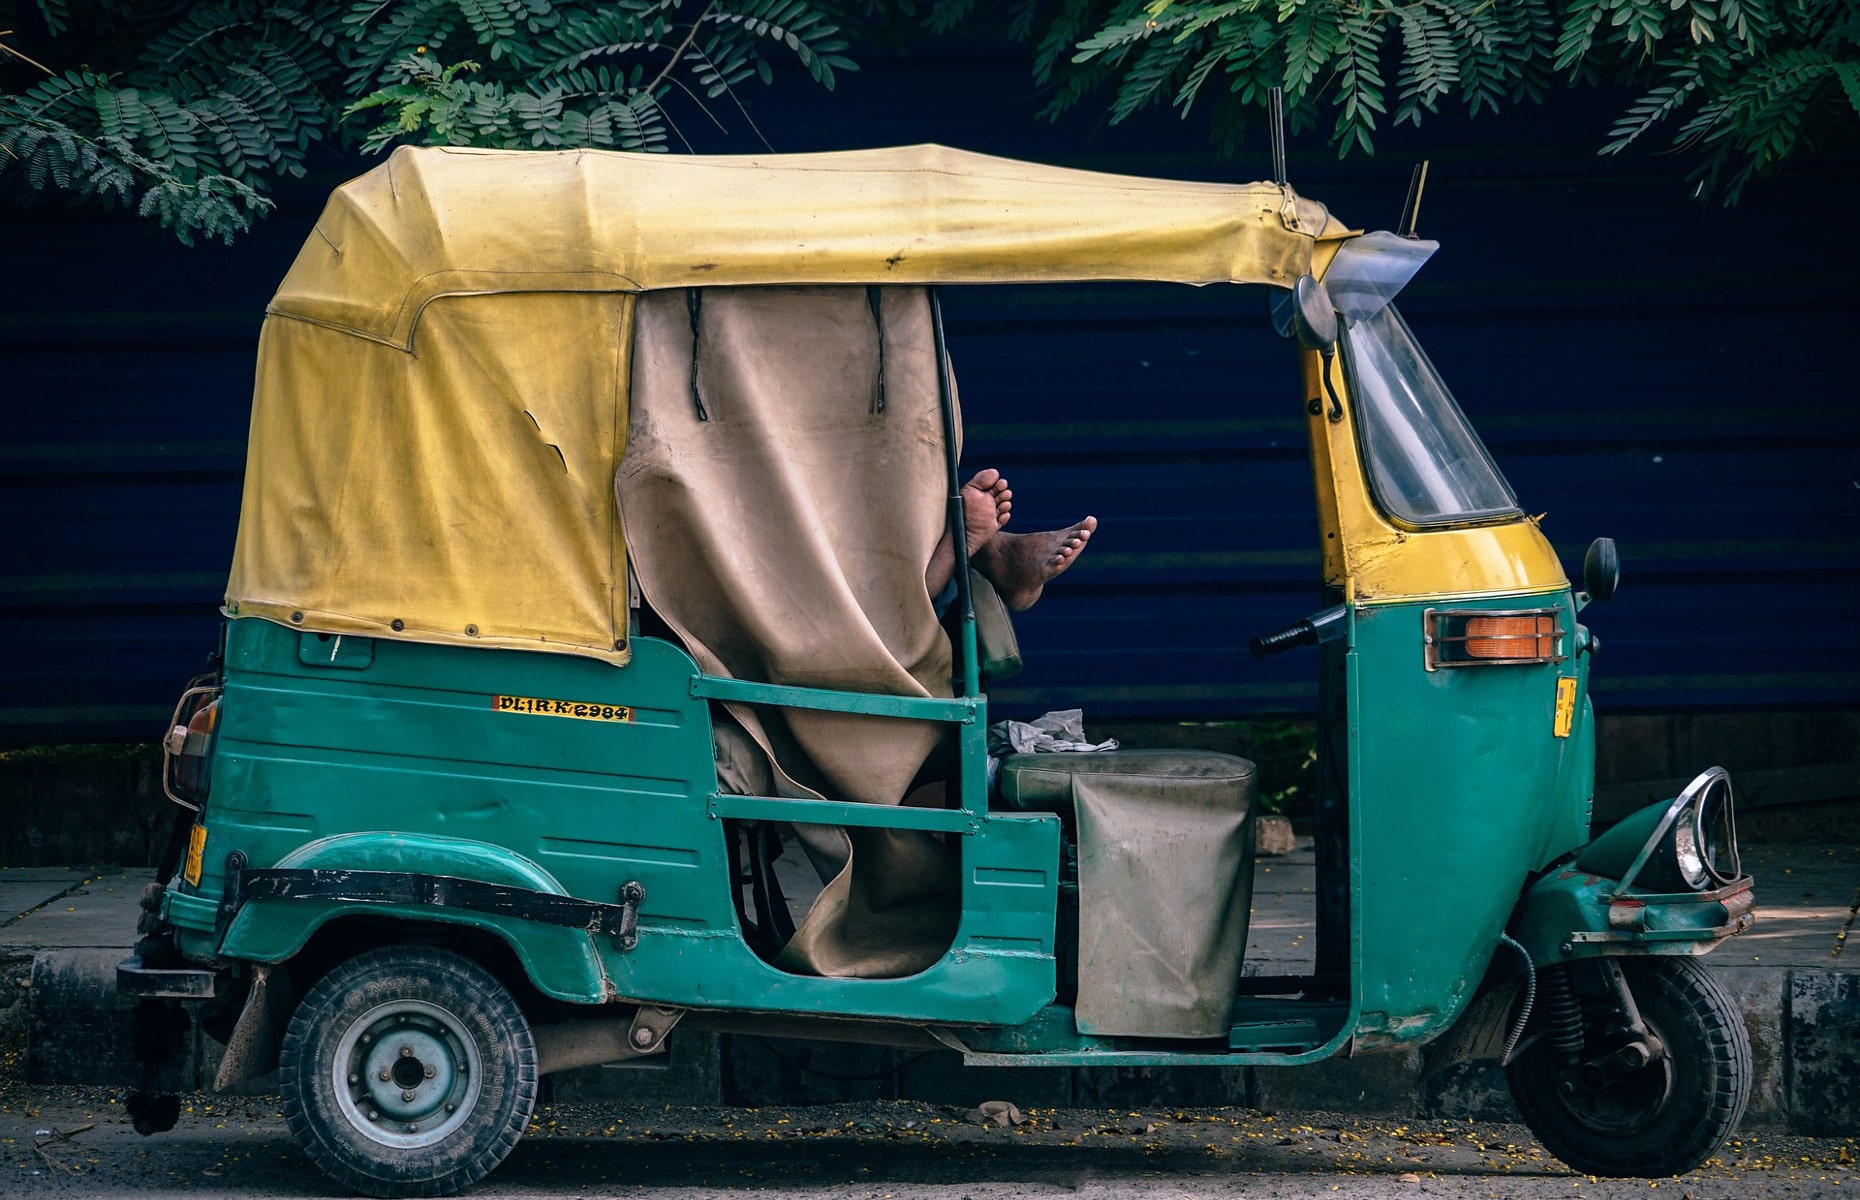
(406, 1051)
(431, 1070)
(367, 1038)
(373, 1115)
(383, 1076)
(452, 1108)
(406, 1095)
(355, 1079)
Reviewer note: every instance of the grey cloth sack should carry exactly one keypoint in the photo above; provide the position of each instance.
(1165, 842)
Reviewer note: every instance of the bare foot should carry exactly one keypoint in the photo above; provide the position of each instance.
(1021, 564)
(986, 503)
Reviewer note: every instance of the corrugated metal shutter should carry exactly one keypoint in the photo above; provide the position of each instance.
(1670, 375)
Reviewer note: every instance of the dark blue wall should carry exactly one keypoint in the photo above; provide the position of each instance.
(1670, 374)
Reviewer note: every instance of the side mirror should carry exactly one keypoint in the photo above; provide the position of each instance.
(1601, 569)
(1314, 317)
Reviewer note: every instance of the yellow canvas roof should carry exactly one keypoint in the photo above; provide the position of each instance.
(446, 221)
(455, 483)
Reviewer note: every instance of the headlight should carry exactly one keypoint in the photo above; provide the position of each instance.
(1694, 848)
(1686, 854)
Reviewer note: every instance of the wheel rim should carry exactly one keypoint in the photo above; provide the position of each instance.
(407, 1074)
(1627, 1100)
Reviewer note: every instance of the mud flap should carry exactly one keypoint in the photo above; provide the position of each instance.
(158, 1037)
(252, 1048)
(1479, 1034)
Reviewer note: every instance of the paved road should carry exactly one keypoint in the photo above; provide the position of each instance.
(896, 1151)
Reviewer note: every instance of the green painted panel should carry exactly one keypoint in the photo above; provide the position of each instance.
(406, 756)
(415, 744)
(561, 962)
(1459, 789)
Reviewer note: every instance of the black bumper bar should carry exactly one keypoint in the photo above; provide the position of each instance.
(166, 983)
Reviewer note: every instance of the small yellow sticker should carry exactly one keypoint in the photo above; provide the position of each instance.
(1565, 705)
(196, 848)
(579, 709)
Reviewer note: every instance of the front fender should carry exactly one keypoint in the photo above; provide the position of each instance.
(1570, 913)
(561, 962)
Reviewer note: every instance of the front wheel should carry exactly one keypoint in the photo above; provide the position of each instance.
(408, 1071)
(1651, 1121)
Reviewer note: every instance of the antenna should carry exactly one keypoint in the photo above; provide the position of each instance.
(1411, 207)
(1275, 117)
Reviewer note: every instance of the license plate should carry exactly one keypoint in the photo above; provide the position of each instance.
(196, 849)
(1565, 706)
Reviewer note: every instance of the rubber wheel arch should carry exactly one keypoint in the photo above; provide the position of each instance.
(505, 1044)
(1710, 1048)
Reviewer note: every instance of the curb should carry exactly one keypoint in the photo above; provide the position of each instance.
(1804, 1025)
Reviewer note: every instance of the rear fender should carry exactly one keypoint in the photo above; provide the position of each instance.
(561, 962)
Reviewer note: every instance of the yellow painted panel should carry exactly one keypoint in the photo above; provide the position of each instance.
(1375, 561)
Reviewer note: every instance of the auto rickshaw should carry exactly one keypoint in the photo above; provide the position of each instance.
(454, 810)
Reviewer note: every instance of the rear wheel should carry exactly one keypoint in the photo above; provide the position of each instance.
(408, 1071)
(1662, 1118)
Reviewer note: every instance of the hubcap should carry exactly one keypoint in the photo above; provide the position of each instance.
(406, 1073)
(1623, 1099)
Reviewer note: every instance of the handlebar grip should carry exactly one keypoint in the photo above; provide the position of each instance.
(1298, 633)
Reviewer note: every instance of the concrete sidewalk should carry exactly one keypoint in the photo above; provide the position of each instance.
(63, 931)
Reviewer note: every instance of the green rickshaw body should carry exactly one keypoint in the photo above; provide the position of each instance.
(324, 734)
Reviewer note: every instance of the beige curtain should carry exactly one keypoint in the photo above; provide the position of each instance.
(781, 507)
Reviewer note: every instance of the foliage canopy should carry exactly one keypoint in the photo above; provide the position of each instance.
(190, 110)
(1741, 84)
(214, 101)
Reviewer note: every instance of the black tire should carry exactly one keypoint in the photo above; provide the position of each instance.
(1663, 1119)
(459, 1063)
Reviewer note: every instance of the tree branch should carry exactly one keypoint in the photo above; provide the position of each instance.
(683, 46)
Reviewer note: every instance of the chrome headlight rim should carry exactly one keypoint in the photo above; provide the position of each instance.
(1681, 846)
(1714, 818)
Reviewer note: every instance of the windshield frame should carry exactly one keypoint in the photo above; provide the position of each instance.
(1445, 413)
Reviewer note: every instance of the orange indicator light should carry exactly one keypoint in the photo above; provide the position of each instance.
(1532, 637)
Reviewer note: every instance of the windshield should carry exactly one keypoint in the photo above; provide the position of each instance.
(1426, 466)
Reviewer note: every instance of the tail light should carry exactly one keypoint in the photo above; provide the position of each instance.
(187, 749)
(1484, 637)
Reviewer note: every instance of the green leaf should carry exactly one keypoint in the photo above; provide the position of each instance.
(1149, 77)
(1849, 75)
(1651, 109)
